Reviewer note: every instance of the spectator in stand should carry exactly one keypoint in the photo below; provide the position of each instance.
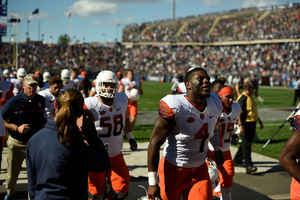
(50, 95)
(59, 157)
(85, 85)
(126, 84)
(23, 116)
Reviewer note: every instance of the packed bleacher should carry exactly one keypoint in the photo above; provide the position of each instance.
(205, 41)
(274, 22)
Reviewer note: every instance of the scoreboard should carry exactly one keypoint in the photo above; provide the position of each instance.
(3, 20)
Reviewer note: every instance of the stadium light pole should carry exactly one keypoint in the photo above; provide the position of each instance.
(104, 38)
(28, 21)
(173, 10)
(117, 32)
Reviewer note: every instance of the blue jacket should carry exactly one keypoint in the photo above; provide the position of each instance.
(58, 172)
(21, 110)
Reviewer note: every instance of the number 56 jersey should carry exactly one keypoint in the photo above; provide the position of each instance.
(110, 121)
(187, 144)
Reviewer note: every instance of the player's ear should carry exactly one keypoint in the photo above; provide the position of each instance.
(188, 85)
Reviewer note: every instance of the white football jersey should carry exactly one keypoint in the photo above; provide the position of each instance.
(227, 122)
(181, 88)
(187, 145)
(17, 86)
(69, 85)
(128, 85)
(49, 102)
(110, 121)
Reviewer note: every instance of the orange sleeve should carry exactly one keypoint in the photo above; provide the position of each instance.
(165, 111)
(85, 107)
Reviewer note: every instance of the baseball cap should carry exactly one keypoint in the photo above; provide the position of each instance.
(30, 79)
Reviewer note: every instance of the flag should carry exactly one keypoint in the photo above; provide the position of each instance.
(36, 11)
(69, 14)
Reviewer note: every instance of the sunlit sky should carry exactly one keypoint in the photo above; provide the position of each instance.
(103, 20)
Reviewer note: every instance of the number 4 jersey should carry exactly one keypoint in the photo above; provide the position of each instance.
(187, 144)
(110, 121)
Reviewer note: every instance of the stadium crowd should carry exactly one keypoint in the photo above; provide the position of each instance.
(280, 23)
(278, 61)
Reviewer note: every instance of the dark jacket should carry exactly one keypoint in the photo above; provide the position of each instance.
(55, 171)
(21, 110)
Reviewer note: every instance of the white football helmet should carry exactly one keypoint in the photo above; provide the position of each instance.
(65, 74)
(46, 76)
(213, 172)
(6, 72)
(21, 73)
(106, 76)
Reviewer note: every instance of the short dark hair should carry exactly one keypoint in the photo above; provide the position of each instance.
(247, 84)
(191, 73)
(55, 79)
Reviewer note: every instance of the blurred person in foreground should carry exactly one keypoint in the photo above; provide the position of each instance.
(6, 92)
(85, 85)
(186, 123)
(126, 84)
(51, 95)
(290, 158)
(247, 124)
(59, 157)
(23, 116)
(110, 110)
(228, 118)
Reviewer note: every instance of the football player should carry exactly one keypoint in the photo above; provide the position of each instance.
(228, 118)
(21, 73)
(290, 159)
(126, 84)
(65, 77)
(110, 110)
(51, 95)
(186, 123)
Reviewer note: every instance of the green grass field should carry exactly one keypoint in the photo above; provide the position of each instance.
(273, 97)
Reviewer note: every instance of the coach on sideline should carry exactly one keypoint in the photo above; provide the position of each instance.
(23, 116)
